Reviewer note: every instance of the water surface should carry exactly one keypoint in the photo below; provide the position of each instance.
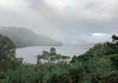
(29, 53)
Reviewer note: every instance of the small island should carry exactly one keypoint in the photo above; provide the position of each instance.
(51, 56)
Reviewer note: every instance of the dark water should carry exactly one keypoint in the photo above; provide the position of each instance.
(29, 53)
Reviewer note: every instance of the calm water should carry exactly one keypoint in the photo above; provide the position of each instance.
(29, 53)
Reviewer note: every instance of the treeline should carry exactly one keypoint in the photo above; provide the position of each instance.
(98, 65)
(43, 73)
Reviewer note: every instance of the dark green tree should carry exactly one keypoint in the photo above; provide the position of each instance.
(7, 52)
(114, 60)
(74, 59)
(113, 46)
(115, 39)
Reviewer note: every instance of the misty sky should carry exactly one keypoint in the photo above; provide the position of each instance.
(69, 21)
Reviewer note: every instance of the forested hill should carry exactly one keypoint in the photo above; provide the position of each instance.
(23, 37)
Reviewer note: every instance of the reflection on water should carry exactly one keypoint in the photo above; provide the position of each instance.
(29, 53)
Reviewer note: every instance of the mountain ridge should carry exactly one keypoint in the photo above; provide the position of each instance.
(24, 37)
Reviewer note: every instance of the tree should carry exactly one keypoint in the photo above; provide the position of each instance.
(39, 59)
(115, 39)
(7, 52)
(114, 60)
(113, 46)
(74, 59)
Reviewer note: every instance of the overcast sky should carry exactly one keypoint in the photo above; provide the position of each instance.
(69, 21)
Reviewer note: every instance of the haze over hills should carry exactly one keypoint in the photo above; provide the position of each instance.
(23, 37)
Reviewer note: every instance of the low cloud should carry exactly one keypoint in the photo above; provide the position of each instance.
(63, 20)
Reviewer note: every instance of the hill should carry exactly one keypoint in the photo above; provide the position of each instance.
(23, 37)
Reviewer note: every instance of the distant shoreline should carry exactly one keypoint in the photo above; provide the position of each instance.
(38, 46)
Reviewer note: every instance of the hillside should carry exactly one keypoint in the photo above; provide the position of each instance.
(23, 37)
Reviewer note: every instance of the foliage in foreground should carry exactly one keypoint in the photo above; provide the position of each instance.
(96, 70)
(43, 73)
(7, 54)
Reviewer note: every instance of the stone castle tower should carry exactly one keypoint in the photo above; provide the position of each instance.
(53, 51)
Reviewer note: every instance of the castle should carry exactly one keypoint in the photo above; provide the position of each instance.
(47, 54)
